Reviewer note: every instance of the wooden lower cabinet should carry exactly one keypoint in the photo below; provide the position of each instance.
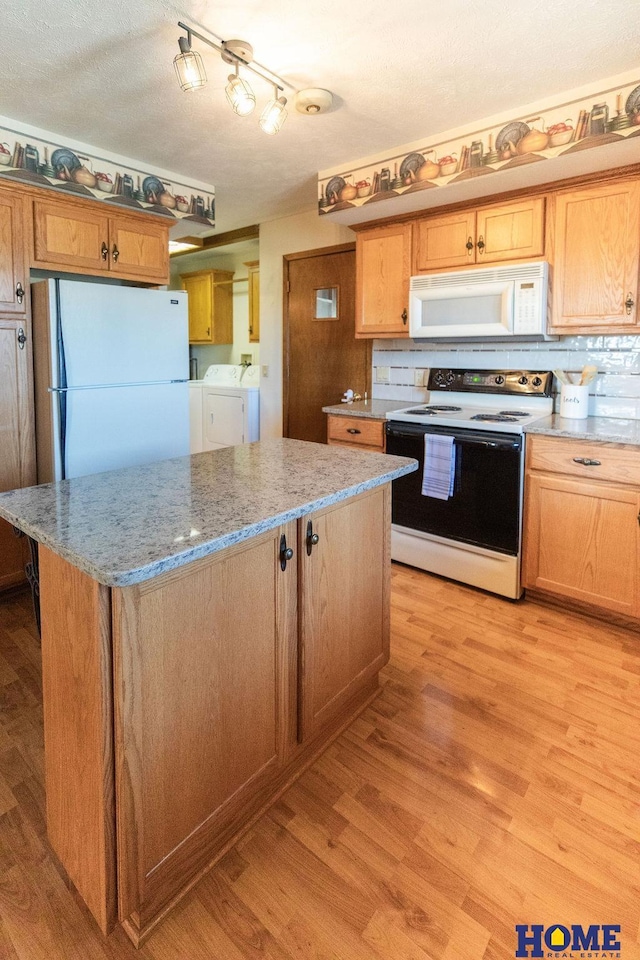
(362, 433)
(17, 446)
(582, 538)
(344, 605)
(229, 675)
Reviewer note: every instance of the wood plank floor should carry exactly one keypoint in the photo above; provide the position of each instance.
(494, 781)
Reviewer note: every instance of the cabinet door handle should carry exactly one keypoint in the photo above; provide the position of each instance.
(21, 338)
(469, 245)
(19, 292)
(404, 316)
(104, 251)
(208, 331)
(286, 553)
(481, 244)
(353, 430)
(312, 538)
(115, 253)
(587, 462)
(629, 302)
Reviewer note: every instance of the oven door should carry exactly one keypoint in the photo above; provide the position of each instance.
(484, 509)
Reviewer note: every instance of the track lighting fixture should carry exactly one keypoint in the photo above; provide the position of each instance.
(189, 66)
(274, 114)
(240, 95)
(191, 76)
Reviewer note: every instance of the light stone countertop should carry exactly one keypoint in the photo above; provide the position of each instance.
(126, 526)
(375, 409)
(607, 429)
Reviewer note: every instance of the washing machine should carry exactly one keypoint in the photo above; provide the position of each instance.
(225, 407)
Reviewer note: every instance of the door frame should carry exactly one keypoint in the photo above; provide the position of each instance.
(286, 328)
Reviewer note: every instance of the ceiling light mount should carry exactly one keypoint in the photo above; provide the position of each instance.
(239, 53)
(313, 100)
(236, 51)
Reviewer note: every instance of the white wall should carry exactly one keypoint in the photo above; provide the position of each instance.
(234, 261)
(304, 231)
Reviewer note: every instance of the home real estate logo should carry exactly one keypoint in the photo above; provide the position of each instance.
(559, 941)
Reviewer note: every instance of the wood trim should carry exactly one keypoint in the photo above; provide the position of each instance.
(628, 172)
(581, 606)
(78, 731)
(219, 240)
(320, 251)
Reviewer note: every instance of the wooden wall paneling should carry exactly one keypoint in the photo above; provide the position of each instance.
(78, 731)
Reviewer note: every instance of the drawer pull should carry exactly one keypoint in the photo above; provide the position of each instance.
(586, 462)
(352, 430)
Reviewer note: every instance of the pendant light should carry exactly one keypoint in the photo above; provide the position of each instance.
(240, 95)
(189, 66)
(274, 114)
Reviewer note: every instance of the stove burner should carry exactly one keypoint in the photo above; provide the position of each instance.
(420, 412)
(494, 417)
(514, 413)
(436, 408)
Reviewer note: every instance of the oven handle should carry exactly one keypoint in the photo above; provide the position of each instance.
(463, 441)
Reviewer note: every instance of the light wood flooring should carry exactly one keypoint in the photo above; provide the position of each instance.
(494, 781)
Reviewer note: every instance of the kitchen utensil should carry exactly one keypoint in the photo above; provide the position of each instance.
(512, 133)
(561, 376)
(588, 374)
(574, 401)
(411, 163)
(428, 170)
(83, 175)
(348, 192)
(167, 199)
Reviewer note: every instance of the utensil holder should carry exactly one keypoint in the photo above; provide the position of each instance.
(574, 401)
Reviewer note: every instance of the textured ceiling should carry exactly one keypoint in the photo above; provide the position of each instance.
(103, 74)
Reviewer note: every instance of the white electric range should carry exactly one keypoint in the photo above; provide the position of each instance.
(461, 515)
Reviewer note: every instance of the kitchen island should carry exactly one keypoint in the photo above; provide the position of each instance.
(209, 624)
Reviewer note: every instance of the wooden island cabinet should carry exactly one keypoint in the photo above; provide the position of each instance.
(189, 680)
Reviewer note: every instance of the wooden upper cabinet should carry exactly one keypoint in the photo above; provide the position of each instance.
(70, 235)
(13, 279)
(597, 239)
(142, 248)
(210, 296)
(512, 231)
(444, 242)
(383, 267)
(80, 239)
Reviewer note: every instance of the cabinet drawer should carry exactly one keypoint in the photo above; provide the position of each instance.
(359, 431)
(618, 462)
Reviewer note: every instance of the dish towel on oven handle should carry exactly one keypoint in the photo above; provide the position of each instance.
(439, 466)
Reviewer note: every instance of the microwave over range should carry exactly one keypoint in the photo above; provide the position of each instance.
(497, 303)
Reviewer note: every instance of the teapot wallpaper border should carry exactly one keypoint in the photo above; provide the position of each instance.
(43, 163)
(579, 124)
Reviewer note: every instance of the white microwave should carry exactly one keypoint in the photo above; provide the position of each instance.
(499, 302)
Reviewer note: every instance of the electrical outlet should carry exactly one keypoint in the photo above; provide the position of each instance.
(265, 369)
(383, 374)
(418, 378)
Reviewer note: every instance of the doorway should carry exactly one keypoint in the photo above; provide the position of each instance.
(322, 358)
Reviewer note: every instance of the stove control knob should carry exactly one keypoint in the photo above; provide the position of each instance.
(499, 380)
(439, 378)
(537, 382)
(523, 380)
(450, 378)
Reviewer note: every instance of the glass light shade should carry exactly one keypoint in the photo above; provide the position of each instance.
(190, 70)
(240, 95)
(273, 116)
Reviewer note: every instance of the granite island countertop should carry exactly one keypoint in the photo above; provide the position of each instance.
(130, 525)
(606, 429)
(374, 409)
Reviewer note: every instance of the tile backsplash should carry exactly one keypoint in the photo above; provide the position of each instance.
(614, 393)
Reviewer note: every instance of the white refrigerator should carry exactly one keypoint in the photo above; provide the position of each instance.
(111, 373)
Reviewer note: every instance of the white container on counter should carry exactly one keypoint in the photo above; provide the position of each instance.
(574, 401)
